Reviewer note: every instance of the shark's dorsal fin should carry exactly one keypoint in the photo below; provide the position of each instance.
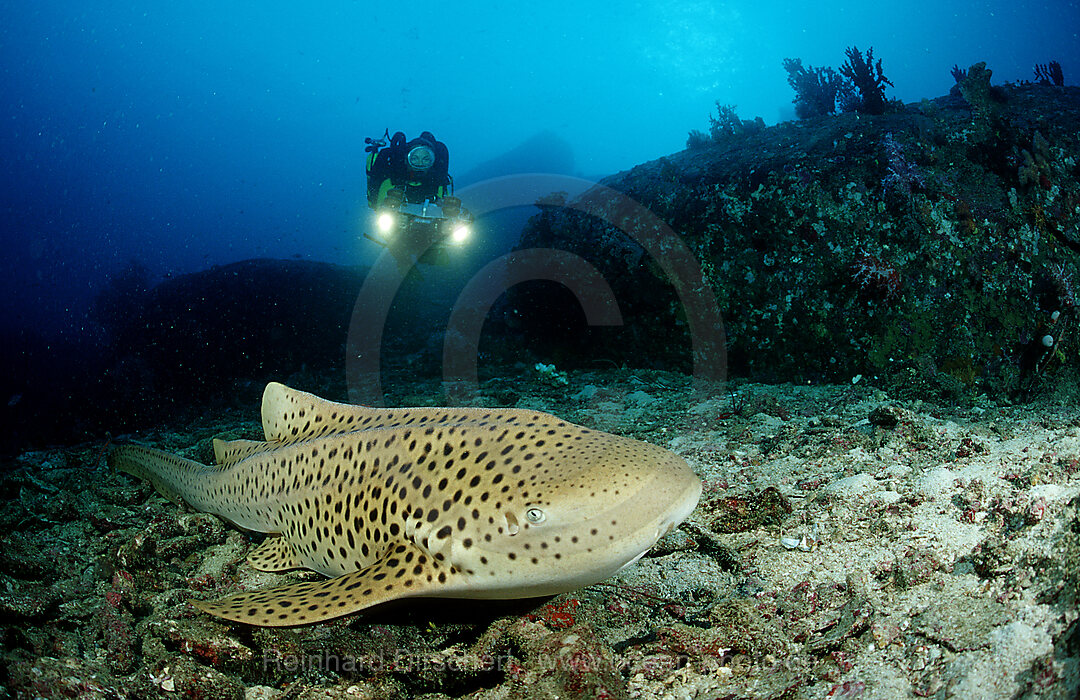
(289, 415)
(229, 452)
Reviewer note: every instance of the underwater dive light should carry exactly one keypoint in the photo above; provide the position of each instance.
(460, 234)
(385, 222)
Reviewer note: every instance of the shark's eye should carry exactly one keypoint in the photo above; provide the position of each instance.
(535, 515)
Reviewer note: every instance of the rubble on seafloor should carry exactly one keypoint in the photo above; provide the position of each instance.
(846, 544)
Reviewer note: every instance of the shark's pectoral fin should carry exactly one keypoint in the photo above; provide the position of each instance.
(274, 554)
(403, 571)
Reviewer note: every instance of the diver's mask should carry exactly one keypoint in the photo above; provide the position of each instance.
(421, 158)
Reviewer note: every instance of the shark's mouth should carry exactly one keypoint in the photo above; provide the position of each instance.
(668, 524)
(676, 517)
(632, 561)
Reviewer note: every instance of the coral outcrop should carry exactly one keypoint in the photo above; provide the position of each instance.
(931, 248)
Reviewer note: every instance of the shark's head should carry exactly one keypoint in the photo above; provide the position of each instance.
(591, 504)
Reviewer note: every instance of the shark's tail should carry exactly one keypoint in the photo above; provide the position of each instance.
(178, 479)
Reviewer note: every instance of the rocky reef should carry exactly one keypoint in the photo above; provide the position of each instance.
(211, 337)
(933, 248)
(197, 333)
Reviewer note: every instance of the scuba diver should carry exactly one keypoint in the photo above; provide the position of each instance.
(419, 168)
(410, 189)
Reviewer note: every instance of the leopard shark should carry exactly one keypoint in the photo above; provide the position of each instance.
(393, 503)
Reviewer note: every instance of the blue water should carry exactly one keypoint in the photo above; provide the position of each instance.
(196, 133)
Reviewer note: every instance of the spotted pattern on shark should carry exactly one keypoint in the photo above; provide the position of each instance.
(438, 502)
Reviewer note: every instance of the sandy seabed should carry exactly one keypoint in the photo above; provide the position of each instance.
(847, 544)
